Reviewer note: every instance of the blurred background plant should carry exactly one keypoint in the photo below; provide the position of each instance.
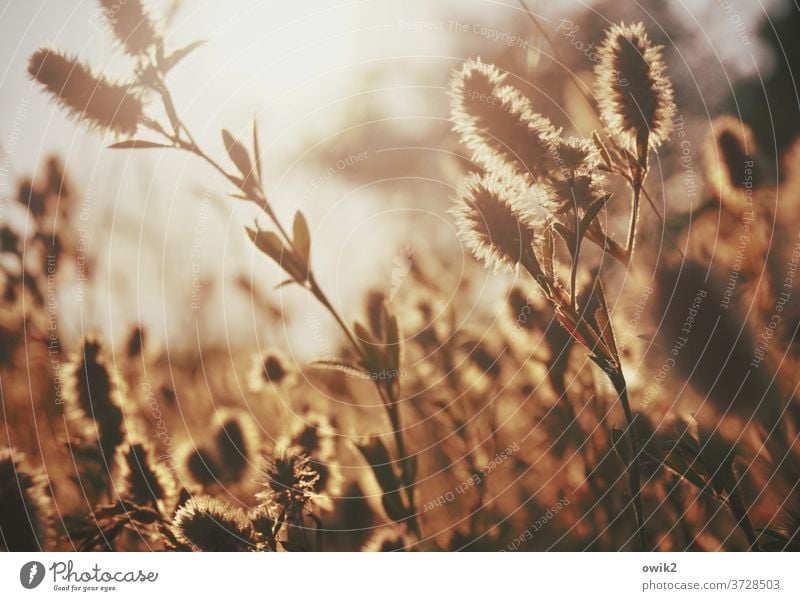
(176, 400)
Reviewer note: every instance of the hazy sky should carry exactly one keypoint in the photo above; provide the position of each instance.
(294, 64)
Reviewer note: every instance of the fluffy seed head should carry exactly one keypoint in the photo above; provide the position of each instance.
(729, 156)
(236, 441)
(497, 123)
(270, 369)
(142, 479)
(493, 222)
(88, 97)
(289, 481)
(25, 512)
(314, 437)
(567, 192)
(131, 24)
(575, 154)
(633, 92)
(206, 524)
(93, 396)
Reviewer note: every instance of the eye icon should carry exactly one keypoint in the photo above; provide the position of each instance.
(31, 574)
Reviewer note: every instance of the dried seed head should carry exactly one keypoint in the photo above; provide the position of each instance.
(270, 369)
(575, 154)
(493, 221)
(388, 539)
(632, 90)
(497, 123)
(289, 481)
(92, 395)
(314, 437)
(142, 479)
(199, 466)
(729, 156)
(207, 524)
(25, 514)
(131, 24)
(88, 97)
(236, 441)
(568, 193)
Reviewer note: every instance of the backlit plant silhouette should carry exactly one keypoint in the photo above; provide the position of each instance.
(501, 437)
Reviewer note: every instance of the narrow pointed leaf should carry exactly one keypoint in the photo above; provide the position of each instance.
(139, 144)
(238, 154)
(302, 238)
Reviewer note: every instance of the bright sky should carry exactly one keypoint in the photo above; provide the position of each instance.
(295, 64)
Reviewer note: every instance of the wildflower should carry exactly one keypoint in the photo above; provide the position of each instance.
(314, 437)
(633, 93)
(270, 369)
(290, 481)
(573, 192)
(575, 154)
(131, 24)
(24, 504)
(93, 395)
(207, 524)
(236, 441)
(142, 479)
(388, 538)
(88, 97)
(497, 123)
(493, 222)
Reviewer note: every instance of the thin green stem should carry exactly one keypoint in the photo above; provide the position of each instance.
(257, 195)
(573, 276)
(634, 467)
(637, 189)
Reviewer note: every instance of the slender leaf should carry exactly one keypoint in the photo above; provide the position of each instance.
(238, 154)
(139, 144)
(302, 238)
(168, 62)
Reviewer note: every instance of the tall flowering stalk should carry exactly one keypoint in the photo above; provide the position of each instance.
(636, 102)
(87, 96)
(525, 156)
(118, 109)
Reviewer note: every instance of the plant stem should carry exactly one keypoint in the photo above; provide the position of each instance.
(634, 468)
(573, 276)
(637, 189)
(257, 195)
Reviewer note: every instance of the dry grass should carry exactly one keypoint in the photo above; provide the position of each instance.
(501, 435)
